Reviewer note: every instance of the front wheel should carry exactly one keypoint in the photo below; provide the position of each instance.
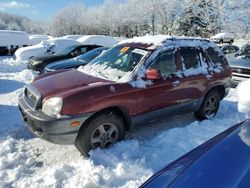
(102, 131)
(209, 107)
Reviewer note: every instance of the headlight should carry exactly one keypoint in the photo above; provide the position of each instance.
(52, 106)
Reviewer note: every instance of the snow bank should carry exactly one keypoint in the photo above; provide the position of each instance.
(8, 64)
(243, 91)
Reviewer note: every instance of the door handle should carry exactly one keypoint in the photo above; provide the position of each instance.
(176, 83)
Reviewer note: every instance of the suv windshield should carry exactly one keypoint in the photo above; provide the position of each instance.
(66, 50)
(116, 64)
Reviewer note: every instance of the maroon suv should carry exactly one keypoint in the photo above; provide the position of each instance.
(140, 80)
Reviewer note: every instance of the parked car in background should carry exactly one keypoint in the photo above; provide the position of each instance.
(240, 66)
(75, 62)
(36, 39)
(10, 41)
(223, 161)
(50, 46)
(230, 50)
(99, 40)
(137, 81)
(39, 62)
(89, 42)
(223, 38)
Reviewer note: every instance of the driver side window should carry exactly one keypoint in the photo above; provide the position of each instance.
(165, 63)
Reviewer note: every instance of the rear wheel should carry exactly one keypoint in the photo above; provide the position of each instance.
(209, 106)
(102, 131)
(221, 41)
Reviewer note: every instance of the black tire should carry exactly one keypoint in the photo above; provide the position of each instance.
(209, 106)
(102, 131)
(231, 42)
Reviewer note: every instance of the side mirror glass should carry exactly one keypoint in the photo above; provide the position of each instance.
(153, 74)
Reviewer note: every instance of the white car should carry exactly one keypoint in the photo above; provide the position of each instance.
(223, 38)
(50, 46)
(101, 40)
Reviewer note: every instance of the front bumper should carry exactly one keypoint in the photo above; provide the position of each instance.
(52, 129)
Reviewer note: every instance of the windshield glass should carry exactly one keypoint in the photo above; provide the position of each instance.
(89, 56)
(116, 64)
(66, 50)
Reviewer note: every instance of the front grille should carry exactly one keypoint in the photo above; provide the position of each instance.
(32, 97)
(240, 70)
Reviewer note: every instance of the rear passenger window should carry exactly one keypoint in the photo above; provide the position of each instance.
(165, 62)
(190, 58)
(214, 56)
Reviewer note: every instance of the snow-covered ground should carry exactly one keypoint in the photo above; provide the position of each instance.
(27, 161)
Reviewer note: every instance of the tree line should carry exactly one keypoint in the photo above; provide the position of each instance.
(130, 18)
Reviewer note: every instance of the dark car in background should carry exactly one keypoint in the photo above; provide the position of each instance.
(75, 62)
(229, 49)
(240, 66)
(223, 161)
(39, 62)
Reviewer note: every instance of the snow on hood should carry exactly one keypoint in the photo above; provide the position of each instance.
(106, 41)
(23, 54)
(243, 97)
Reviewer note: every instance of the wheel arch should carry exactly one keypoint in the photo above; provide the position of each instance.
(219, 88)
(118, 110)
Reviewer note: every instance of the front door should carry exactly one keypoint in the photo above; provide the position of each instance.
(164, 92)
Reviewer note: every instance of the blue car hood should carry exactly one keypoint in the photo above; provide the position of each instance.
(223, 161)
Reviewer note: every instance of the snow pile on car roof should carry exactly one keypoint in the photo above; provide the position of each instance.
(101, 40)
(148, 39)
(243, 97)
(167, 40)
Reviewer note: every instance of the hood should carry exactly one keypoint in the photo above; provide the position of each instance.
(240, 61)
(60, 82)
(228, 153)
(65, 64)
(23, 54)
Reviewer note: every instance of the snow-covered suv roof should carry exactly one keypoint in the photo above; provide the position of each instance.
(155, 41)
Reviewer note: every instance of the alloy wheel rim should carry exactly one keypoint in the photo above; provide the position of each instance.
(211, 107)
(104, 135)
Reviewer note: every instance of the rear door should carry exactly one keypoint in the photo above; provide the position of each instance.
(195, 76)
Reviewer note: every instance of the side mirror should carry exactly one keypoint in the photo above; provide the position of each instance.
(153, 74)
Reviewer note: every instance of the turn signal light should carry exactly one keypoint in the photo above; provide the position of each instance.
(75, 123)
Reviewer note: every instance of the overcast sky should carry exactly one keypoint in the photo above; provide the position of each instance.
(42, 10)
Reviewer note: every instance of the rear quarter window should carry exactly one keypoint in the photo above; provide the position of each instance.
(214, 56)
